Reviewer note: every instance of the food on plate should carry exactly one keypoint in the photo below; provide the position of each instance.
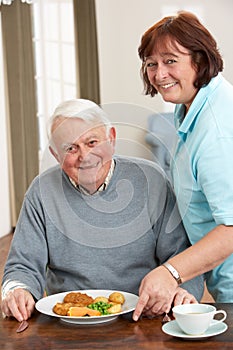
(62, 308)
(117, 297)
(78, 304)
(102, 307)
(103, 299)
(114, 309)
(80, 299)
(82, 311)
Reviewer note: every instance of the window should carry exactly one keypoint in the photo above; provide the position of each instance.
(54, 58)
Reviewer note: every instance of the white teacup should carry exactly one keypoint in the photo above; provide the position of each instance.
(195, 319)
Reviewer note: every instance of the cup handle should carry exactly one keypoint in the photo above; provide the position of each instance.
(221, 312)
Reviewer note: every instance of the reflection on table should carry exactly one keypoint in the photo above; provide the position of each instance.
(46, 332)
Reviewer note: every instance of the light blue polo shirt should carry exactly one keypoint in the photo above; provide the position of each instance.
(202, 170)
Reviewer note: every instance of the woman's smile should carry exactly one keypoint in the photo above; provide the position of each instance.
(167, 86)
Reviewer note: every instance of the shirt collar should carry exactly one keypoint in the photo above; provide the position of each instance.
(184, 125)
(102, 187)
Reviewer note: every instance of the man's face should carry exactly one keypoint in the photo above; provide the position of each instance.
(84, 151)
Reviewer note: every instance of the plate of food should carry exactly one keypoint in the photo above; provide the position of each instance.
(87, 306)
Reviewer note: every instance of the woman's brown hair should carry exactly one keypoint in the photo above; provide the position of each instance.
(186, 30)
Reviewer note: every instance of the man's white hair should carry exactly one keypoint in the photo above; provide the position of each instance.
(83, 109)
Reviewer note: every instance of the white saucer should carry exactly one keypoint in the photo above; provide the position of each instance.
(172, 328)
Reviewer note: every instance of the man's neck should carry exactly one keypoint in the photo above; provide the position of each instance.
(93, 188)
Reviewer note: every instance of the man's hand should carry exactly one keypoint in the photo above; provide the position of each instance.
(18, 303)
(182, 296)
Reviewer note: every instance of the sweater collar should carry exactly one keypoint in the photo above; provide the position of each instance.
(102, 187)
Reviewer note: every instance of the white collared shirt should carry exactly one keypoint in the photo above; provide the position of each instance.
(102, 187)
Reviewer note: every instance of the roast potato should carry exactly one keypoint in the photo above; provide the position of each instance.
(116, 297)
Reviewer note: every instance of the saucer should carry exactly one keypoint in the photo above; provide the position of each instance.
(172, 328)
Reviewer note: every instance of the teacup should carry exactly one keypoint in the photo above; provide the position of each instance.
(195, 319)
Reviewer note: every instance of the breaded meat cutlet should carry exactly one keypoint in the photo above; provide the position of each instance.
(79, 299)
(62, 308)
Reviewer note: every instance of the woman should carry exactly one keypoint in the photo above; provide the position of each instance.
(180, 60)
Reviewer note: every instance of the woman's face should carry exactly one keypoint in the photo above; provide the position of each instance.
(171, 72)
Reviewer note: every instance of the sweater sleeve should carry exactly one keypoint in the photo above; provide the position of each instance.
(28, 255)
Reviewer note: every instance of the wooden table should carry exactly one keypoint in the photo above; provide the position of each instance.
(45, 332)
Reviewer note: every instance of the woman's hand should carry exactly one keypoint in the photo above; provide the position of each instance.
(156, 293)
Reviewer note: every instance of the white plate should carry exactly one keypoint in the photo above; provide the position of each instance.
(45, 306)
(172, 328)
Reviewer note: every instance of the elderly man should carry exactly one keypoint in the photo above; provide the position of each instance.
(95, 221)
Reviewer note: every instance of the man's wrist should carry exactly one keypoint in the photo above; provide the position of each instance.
(11, 286)
(175, 274)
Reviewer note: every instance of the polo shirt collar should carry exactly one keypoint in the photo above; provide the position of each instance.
(184, 125)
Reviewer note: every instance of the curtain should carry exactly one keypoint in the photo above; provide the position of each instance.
(87, 65)
(21, 100)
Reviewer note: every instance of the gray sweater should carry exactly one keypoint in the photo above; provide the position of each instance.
(66, 240)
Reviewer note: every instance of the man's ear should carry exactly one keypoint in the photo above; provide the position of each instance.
(54, 154)
(112, 136)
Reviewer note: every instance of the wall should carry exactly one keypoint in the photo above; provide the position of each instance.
(5, 225)
(120, 26)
